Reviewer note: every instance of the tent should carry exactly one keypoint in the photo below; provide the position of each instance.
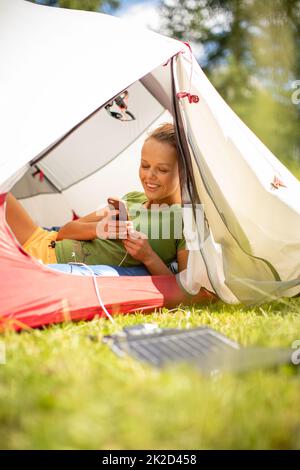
(65, 77)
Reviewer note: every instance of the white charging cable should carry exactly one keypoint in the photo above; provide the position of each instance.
(124, 257)
(96, 289)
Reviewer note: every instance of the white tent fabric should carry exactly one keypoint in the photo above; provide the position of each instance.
(60, 67)
(255, 224)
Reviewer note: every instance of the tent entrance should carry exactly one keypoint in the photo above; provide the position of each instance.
(89, 162)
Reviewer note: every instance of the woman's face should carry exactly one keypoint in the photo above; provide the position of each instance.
(159, 173)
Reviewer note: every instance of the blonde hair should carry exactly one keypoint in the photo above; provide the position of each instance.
(164, 133)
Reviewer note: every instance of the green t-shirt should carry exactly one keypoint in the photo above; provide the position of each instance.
(162, 225)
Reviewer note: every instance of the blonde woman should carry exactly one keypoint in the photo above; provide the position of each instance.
(97, 239)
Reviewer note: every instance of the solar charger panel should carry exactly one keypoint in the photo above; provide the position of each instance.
(204, 347)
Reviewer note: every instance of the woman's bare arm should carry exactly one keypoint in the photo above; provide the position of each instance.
(139, 248)
(182, 259)
(156, 266)
(78, 231)
(84, 228)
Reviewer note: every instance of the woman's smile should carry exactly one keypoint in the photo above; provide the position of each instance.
(151, 186)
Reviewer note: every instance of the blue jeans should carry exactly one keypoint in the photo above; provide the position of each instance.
(100, 270)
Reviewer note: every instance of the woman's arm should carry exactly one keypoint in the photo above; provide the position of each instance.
(182, 259)
(83, 228)
(96, 224)
(77, 230)
(156, 266)
(140, 249)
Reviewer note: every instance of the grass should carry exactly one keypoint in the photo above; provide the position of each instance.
(59, 389)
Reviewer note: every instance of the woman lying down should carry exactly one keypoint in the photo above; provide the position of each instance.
(147, 243)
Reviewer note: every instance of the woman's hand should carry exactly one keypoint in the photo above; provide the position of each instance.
(111, 229)
(89, 227)
(138, 246)
(140, 249)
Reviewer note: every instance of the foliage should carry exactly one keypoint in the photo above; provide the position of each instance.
(251, 53)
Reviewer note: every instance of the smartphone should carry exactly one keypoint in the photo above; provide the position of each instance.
(117, 204)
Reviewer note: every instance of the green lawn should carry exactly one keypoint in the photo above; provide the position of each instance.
(58, 389)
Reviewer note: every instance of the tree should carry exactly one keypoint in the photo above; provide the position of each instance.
(251, 53)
